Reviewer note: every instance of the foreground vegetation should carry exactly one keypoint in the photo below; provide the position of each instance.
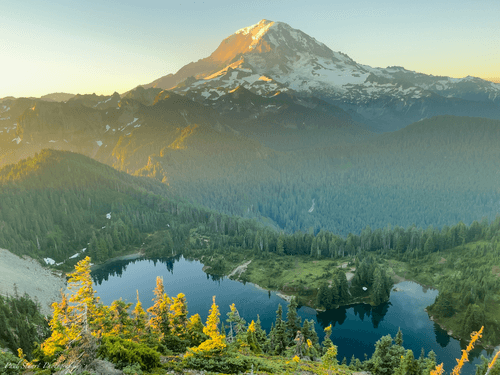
(58, 203)
(164, 339)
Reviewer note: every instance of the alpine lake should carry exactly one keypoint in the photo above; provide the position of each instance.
(355, 331)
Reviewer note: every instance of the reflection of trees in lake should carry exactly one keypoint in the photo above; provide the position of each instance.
(332, 317)
(443, 340)
(216, 278)
(378, 313)
(340, 315)
(442, 337)
(362, 310)
(117, 267)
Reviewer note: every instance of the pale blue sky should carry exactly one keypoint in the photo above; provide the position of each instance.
(106, 46)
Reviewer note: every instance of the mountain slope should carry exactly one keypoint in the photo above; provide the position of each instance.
(60, 203)
(272, 56)
(158, 139)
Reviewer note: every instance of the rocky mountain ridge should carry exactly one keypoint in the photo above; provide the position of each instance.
(271, 57)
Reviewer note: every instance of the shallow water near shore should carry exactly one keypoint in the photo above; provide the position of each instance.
(356, 328)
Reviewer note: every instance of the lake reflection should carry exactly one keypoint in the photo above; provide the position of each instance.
(356, 328)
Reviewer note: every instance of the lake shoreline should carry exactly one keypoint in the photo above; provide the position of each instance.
(131, 256)
(357, 328)
(280, 293)
(449, 332)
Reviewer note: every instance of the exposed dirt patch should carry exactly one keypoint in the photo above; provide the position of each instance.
(240, 269)
(397, 279)
(349, 276)
(495, 270)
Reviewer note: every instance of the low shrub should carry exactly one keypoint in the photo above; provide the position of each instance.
(124, 353)
(9, 364)
(230, 363)
(175, 344)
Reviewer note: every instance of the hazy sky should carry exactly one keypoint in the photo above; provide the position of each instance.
(106, 46)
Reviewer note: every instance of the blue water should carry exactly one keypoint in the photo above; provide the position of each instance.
(356, 328)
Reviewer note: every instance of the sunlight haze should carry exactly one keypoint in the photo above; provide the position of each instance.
(103, 47)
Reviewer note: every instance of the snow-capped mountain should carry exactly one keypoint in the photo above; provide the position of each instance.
(271, 57)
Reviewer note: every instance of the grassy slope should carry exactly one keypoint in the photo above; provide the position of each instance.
(299, 276)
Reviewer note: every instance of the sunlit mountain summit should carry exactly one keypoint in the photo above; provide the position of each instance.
(271, 57)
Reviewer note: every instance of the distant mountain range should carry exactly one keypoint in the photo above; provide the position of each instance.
(273, 121)
(271, 57)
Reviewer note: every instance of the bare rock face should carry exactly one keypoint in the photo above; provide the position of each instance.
(100, 367)
(26, 275)
(96, 367)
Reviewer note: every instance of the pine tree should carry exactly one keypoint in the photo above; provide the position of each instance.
(139, 320)
(195, 330)
(280, 334)
(216, 342)
(260, 334)
(408, 365)
(160, 321)
(327, 342)
(83, 297)
(236, 323)
(324, 297)
(342, 287)
(179, 313)
(76, 325)
(430, 362)
(63, 332)
(293, 320)
(382, 360)
(473, 319)
(398, 340)
(121, 324)
(280, 245)
(251, 338)
(378, 292)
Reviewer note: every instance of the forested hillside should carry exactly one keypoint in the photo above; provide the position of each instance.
(57, 203)
(435, 172)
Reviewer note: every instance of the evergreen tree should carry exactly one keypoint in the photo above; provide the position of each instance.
(293, 320)
(251, 339)
(398, 340)
(139, 320)
(119, 320)
(260, 334)
(216, 342)
(236, 324)
(327, 342)
(408, 365)
(342, 287)
(160, 320)
(280, 335)
(195, 330)
(179, 313)
(430, 362)
(383, 362)
(473, 320)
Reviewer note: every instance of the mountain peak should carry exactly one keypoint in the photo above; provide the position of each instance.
(260, 27)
